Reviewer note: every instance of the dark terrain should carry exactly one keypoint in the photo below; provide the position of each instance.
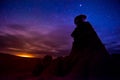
(18, 68)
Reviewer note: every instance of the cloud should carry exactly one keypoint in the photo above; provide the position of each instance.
(16, 27)
(55, 42)
(7, 41)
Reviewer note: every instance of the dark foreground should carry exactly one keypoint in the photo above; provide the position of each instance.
(15, 68)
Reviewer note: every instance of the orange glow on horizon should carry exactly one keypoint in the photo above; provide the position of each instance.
(26, 55)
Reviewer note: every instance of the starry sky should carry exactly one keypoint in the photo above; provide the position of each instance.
(43, 27)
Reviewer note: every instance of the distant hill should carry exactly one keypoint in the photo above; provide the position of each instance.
(10, 63)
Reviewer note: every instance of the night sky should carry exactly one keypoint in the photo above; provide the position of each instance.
(41, 27)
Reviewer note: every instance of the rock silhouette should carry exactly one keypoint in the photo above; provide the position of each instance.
(85, 38)
(87, 59)
(87, 47)
(43, 64)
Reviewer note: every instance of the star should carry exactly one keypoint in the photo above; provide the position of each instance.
(80, 5)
